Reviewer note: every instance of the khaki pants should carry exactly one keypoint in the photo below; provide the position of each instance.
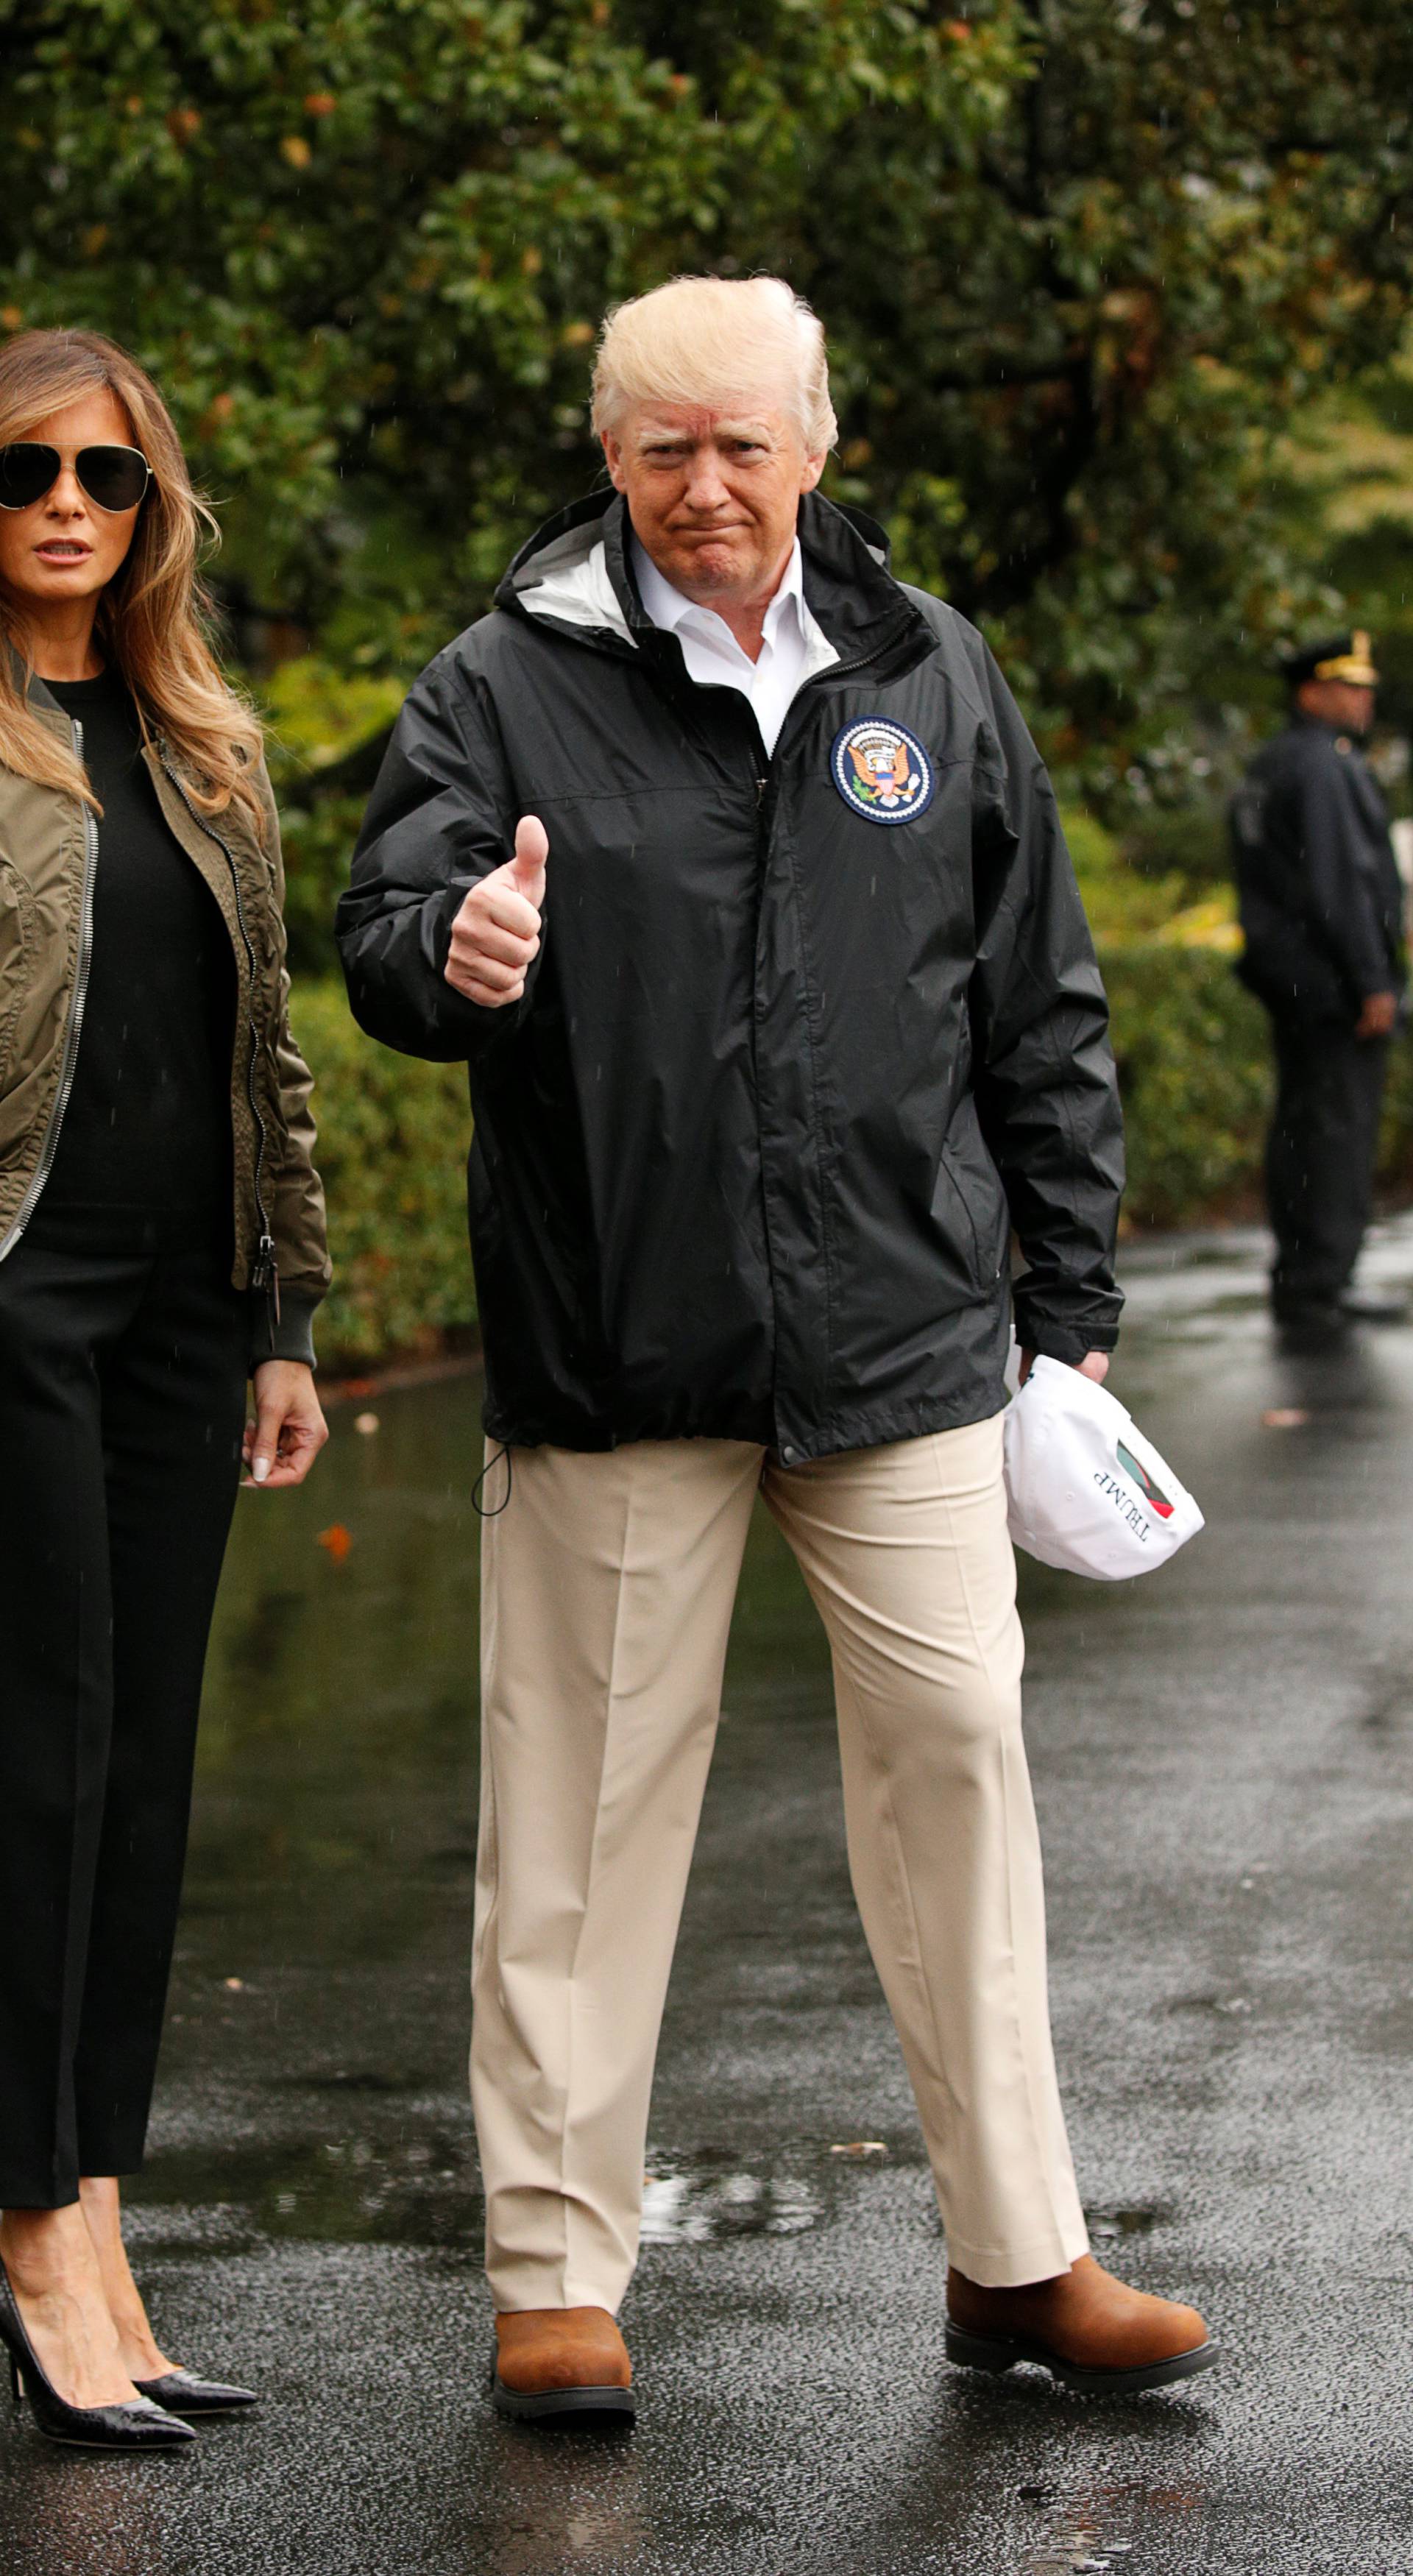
(608, 1584)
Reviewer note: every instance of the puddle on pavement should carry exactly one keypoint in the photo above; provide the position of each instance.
(1107, 2226)
(421, 2190)
(1076, 2536)
(693, 2206)
(1064, 2530)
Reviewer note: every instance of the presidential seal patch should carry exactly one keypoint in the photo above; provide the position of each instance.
(882, 770)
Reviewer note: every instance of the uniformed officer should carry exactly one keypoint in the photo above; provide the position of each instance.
(1321, 910)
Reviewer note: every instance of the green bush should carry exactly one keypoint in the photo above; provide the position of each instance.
(1193, 1063)
(393, 1135)
(1396, 1155)
(318, 839)
(324, 734)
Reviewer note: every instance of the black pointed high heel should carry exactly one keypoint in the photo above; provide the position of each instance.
(182, 2393)
(133, 2425)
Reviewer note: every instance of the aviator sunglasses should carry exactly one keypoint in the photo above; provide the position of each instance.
(115, 478)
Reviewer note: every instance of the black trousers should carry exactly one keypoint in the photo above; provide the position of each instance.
(123, 1353)
(1320, 1157)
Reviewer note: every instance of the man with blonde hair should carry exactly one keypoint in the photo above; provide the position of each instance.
(726, 862)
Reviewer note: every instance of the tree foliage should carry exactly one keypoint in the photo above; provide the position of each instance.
(1081, 261)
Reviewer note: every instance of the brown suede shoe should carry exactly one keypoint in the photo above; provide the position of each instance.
(553, 2362)
(1087, 2329)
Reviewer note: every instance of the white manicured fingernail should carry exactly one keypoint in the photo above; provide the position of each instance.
(260, 1470)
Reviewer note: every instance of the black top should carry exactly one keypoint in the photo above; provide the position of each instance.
(1321, 897)
(808, 1033)
(148, 1124)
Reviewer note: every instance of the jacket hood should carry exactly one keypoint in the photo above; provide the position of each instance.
(576, 572)
(562, 573)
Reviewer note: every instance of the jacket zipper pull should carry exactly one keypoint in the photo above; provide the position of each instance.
(265, 1274)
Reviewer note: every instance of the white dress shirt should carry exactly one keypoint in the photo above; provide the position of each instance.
(793, 646)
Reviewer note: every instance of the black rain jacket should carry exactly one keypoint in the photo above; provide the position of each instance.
(1320, 894)
(748, 1153)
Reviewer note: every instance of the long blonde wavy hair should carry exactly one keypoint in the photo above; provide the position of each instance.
(154, 616)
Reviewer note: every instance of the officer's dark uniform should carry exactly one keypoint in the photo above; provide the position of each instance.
(1321, 909)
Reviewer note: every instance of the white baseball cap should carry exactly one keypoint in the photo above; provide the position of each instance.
(1086, 1491)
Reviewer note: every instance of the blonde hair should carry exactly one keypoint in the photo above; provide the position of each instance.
(153, 616)
(712, 339)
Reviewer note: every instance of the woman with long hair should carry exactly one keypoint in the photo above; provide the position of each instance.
(161, 1244)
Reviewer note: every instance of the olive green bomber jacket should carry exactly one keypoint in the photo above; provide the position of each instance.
(48, 853)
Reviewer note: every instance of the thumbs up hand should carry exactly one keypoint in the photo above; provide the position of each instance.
(496, 933)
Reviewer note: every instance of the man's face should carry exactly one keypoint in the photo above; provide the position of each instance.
(713, 493)
(1339, 703)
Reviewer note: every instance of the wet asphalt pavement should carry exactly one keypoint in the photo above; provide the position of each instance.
(1223, 1755)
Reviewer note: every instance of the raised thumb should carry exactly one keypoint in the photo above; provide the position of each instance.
(531, 852)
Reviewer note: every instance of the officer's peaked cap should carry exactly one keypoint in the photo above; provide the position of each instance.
(1332, 657)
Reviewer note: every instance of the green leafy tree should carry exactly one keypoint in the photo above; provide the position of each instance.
(1082, 262)
(1349, 460)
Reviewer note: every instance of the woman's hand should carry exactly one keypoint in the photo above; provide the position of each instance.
(289, 1429)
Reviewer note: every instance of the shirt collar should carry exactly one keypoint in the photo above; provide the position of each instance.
(669, 607)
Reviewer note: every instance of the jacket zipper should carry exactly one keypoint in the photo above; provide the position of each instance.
(69, 1059)
(831, 671)
(264, 1270)
(765, 817)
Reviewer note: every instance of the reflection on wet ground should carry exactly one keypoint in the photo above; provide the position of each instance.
(690, 2208)
(1078, 2535)
(1224, 1771)
(338, 2191)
